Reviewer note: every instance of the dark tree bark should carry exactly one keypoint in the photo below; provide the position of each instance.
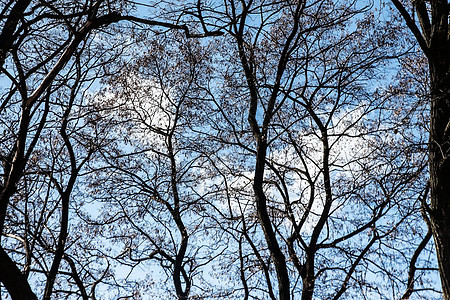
(264, 219)
(439, 153)
(433, 38)
(14, 280)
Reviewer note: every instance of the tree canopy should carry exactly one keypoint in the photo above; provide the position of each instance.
(224, 149)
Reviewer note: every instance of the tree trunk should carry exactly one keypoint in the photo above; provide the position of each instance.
(308, 276)
(15, 282)
(433, 39)
(439, 154)
(264, 219)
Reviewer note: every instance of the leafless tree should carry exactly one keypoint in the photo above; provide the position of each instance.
(46, 49)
